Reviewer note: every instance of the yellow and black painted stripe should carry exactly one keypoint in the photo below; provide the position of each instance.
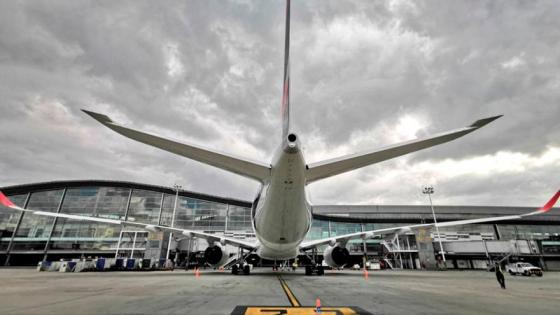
(291, 296)
(295, 308)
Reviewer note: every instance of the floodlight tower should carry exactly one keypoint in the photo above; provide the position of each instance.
(429, 190)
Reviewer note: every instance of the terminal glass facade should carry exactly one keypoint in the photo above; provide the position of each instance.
(43, 235)
(40, 236)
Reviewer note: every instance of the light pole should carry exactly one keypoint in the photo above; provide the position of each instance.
(429, 190)
(177, 187)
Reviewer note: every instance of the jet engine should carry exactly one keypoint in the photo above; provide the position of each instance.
(336, 256)
(216, 255)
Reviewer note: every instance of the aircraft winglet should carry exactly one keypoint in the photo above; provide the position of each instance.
(483, 122)
(99, 117)
(550, 203)
(5, 201)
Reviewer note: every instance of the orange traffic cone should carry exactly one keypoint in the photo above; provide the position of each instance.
(317, 306)
(222, 269)
(366, 274)
(197, 273)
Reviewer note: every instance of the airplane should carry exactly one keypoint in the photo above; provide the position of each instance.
(281, 214)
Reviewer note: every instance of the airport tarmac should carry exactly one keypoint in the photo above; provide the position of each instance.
(26, 291)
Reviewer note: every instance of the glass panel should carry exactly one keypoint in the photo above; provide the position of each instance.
(35, 229)
(200, 215)
(319, 229)
(107, 202)
(167, 211)
(528, 232)
(8, 220)
(341, 228)
(468, 232)
(239, 219)
(144, 206)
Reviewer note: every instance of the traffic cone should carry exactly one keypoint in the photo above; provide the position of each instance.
(222, 269)
(317, 306)
(197, 273)
(366, 274)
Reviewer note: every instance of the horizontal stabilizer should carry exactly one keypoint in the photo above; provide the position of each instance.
(237, 165)
(328, 168)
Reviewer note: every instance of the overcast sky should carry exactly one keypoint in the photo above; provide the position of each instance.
(364, 74)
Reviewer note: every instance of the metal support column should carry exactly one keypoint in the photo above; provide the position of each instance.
(123, 228)
(364, 259)
(399, 249)
(128, 205)
(54, 225)
(177, 187)
(227, 219)
(133, 244)
(118, 244)
(409, 252)
(429, 191)
(161, 208)
(10, 244)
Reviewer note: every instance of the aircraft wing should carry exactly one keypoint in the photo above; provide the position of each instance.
(237, 165)
(406, 228)
(148, 227)
(328, 168)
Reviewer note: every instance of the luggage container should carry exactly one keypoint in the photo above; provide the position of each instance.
(67, 266)
(146, 264)
(100, 264)
(131, 264)
(54, 266)
(43, 265)
(118, 264)
(84, 266)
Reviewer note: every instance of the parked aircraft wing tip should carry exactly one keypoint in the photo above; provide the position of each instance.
(6, 201)
(485, 121)
(99, 117)
(550, 203)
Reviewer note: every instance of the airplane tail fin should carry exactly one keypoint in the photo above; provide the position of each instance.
(286, 86)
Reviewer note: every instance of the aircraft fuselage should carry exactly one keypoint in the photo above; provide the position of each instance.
(281, 214)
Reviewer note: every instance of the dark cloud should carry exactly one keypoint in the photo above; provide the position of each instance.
(364, 74)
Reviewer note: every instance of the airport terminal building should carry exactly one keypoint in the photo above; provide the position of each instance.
(26, 239)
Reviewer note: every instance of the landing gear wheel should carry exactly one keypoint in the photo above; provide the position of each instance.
(246, 270)
(320, 270)
(235, 269)
(308, 270)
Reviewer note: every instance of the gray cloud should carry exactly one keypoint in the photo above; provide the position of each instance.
(364, 74)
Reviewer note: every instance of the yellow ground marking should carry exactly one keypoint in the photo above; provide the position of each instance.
(306, 310)
(291, 296)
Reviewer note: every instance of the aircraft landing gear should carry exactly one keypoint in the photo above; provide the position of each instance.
(317, 269)
(244, 268)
